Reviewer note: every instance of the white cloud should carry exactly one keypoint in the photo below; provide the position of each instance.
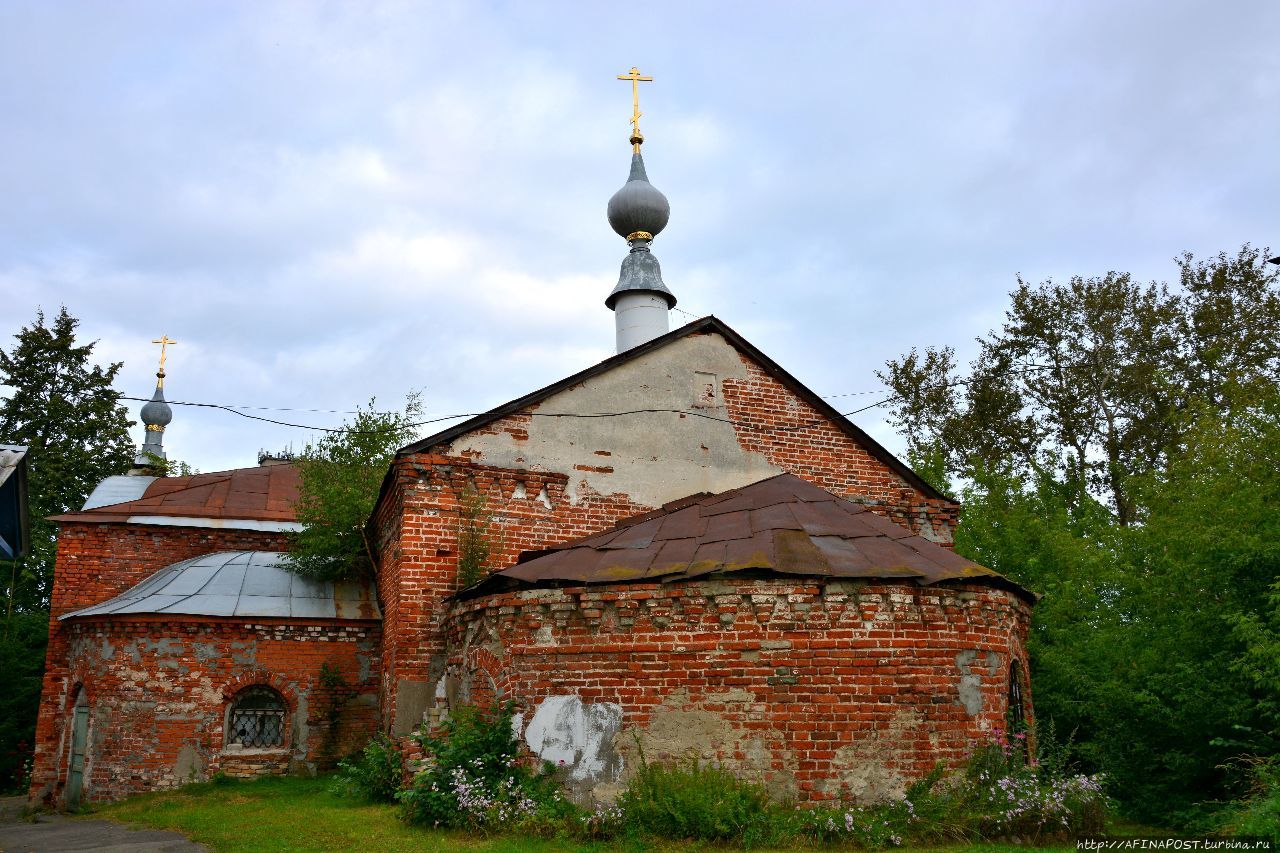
(326, 202)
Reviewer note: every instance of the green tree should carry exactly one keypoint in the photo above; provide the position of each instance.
(341, 475)
(22, 648)
(63, 408)
(1118, 451)
(1091, 381)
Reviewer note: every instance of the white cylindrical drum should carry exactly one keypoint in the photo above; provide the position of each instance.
(639, 317)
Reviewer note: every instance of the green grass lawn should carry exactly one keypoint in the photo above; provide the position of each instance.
(301, 814)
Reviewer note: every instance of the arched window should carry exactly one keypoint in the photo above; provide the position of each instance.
(1016, 716)
(256, 718)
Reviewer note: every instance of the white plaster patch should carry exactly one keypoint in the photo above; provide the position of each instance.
(652, 457)
(571, 734)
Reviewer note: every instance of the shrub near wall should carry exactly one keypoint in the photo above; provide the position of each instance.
(473, 779)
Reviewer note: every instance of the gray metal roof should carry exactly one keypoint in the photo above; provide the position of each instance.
(117, 490)
(240, 583)
(10, 456)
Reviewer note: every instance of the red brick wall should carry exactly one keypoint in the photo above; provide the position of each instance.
(158, 692)
(822, 690)
(417, 532)
(99, 561)
(825, 455)
(417, 522)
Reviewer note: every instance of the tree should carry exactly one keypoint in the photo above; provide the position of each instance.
(1091, 382)
(22, 648)
(1118, 451)
(341, 475)
(63, 408)
(65, 411)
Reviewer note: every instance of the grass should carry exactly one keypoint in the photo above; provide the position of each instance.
(300, 814)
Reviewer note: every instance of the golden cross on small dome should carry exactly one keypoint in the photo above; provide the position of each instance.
(164, 343)
(636, 79)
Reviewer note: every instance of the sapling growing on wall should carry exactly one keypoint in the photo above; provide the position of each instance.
(340, 478)
(475, 543)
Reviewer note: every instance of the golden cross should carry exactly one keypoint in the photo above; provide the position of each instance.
(164, 342)
(634, 76)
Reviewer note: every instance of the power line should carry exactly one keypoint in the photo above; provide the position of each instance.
(235, 410)
(580, 415)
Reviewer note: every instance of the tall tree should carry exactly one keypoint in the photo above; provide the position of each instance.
(63, 408)
(1118, 450)
(1090, 382)
(341, 475)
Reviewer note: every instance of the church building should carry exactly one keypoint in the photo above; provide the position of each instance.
(691, 554)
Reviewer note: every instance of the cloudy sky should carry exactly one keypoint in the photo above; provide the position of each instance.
(325, 203)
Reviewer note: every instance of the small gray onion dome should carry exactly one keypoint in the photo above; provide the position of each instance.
(638, 206)
(156, 411)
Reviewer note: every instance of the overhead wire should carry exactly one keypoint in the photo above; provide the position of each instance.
(236, 410)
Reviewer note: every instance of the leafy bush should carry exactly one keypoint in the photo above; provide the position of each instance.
(1259, 815)
(1003, 794)
(473, 778)
(874, 826)
(692, 802)
(374, 774)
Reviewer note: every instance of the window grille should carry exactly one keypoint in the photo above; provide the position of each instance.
(257, 718)
(1017, 717)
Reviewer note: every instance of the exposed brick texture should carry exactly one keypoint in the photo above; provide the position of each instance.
(824, 689)
(841, 689)
(156, 685)
(826, 456)
(159, 692)
(533, 507)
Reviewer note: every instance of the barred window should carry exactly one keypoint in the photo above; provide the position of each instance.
(256, 718)
(1016, 718)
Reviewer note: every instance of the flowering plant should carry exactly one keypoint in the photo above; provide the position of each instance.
(1008, 794)
(473, 776)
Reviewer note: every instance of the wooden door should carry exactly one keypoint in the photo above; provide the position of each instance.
(79, 738)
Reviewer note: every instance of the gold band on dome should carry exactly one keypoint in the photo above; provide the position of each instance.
(154, 428)
(639, 235)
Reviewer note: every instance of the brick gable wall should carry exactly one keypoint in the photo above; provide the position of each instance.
(549, 475)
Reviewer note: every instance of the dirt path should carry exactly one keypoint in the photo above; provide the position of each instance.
(57, 833)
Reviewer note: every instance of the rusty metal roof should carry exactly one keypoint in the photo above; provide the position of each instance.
(265, 493)
(782, 525)
(239, 583)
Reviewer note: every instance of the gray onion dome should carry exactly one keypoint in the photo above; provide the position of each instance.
(156, 412)
(638, 208)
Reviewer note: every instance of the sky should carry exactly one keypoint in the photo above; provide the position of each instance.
(328, 203)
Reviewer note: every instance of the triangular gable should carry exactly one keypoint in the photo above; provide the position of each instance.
(710, 324)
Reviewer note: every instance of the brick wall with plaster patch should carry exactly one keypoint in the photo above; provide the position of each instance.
(835, 690)
(549, 475)
(158, 692)
(97, 562)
